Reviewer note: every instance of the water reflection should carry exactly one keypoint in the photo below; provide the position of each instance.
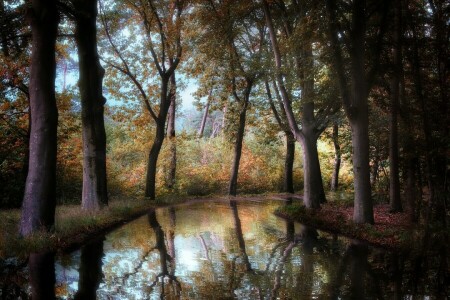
(226, 250)
(90, 271)
(173, 288)
(41, 268)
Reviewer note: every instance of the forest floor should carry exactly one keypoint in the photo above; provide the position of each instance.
(74, 227)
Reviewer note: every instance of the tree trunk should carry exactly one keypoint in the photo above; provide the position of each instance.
(307, 136)
(150, 187)
(337, 159)
(394, 181)
(204, 118)
(355, 100)
(363, 208)
(288, 184)
(170, 182)
(313, 192)
(411, 189)
(95, 193)
(232, 189)
(38, 209)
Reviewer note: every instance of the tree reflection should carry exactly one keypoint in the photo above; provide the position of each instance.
(309, 240)
(164, 257)
(41, 268)
(90, 270)
(289, 244)
(239, 235)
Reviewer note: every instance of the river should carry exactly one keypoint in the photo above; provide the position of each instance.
(220, 250)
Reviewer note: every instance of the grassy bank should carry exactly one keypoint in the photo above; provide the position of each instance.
(391, 231)
(73, 226)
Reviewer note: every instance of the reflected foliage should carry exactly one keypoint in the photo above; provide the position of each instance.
(234, 250)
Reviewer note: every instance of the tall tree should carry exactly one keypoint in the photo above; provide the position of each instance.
(233, 36)
(95, 192)
(172, 168)
(311, 125)
(38, 209)
(163, 20)
(394, 179)
(355, 95)
(280, 116)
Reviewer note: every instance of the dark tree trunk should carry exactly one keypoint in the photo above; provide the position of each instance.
(355, 95)
(232, 189)
(95, 194)
(394, 181)
(363, 208)
(411, 189)
(150, 188)
(41, 268)
(313, 192)
(38, 209)
(90, 270)
(359, 121)
(170, 182)
(204, 118)
(288, 184)
(337, 159)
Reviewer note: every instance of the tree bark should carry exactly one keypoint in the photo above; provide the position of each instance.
(337, 159)
(150, 188)
(204, 118)
(95, 194)
(170, 182)
(394, 181)
(38, 209)
(232, 189)
(313, 192)
(355, 100)
(288, 182)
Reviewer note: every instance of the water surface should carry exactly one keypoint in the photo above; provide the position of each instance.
(221, 250)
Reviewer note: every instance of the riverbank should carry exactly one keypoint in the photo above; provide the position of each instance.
(75, 227)
(390, 231)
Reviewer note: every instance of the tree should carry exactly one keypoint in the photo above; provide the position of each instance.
(95, 192)
(355, 95)
(311, 125)
(38, 209)
(170, 180)
(236, 29)
(280, 116)
(394, 180)
(154, 20)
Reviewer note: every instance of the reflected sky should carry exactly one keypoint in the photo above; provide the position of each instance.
(220, 250)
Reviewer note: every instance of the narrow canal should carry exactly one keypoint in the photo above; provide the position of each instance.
(221, 250)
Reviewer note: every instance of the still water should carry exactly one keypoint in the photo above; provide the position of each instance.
(220, 250)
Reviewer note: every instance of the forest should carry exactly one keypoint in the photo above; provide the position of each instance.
(293, 96)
